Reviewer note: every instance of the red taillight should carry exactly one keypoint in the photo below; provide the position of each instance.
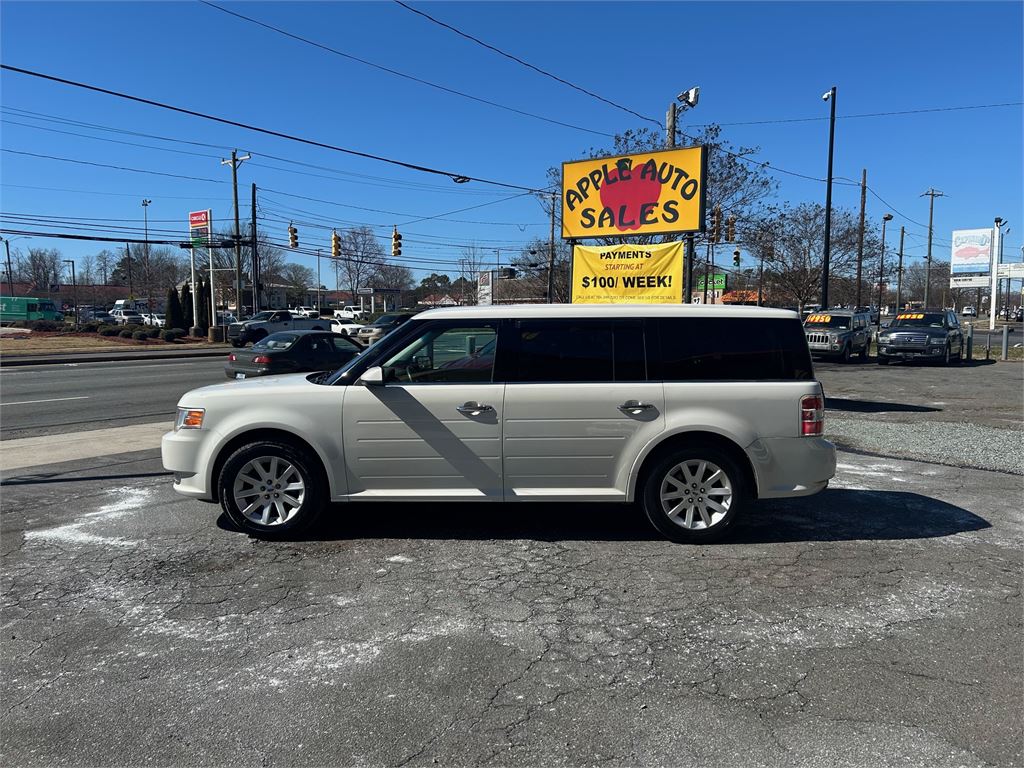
(261, 359)
(231, 357)
(812, 415)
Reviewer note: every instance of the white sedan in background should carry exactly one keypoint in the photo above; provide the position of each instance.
(345, 327)
(156, 319)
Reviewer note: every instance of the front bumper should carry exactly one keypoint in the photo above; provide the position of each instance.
(910, 353)
(824, 350)
(185, 454)
(792, 466)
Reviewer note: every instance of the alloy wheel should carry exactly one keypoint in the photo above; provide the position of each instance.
(269, 491)
(696, 494)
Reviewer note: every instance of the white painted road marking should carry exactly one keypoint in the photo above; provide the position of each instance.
(51, 400)
(53, 449)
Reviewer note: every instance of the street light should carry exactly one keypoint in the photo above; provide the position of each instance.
(687, 100)
(881, 267)
(145, 218)
(829, 96)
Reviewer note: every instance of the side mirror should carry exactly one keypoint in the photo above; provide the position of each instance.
(372, 376)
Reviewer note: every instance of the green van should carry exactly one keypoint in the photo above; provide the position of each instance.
(13, 309)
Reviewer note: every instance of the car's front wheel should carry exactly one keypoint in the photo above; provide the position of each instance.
(693, 495)
(271, 488)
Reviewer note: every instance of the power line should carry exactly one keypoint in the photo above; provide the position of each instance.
(397, 73)
(115, 167)
(526, 64)
(867, 114)
(456, 177)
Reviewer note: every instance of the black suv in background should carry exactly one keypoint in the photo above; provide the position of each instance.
(929, 334)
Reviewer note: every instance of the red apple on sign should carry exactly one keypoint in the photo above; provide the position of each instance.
(625, 193)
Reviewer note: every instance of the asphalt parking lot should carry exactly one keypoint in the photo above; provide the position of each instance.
(878, 623)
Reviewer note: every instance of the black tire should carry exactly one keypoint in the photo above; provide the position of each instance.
(651, 490)
(883, 360)
(846, 354)
(237, 343)
(863, 354)
(312, 501)
(947, 355)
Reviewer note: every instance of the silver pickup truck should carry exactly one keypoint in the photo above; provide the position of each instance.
(265, 323)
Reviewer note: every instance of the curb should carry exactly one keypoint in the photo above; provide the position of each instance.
(99, 357)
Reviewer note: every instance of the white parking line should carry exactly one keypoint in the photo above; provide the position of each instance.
(50, 400)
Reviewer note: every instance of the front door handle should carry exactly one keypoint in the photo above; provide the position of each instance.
(635, 407)
(474, 409)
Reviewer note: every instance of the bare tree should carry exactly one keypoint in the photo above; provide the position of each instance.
(86, 270)
(298, 279)
(105, 261)
(361, 256)
(41, 267)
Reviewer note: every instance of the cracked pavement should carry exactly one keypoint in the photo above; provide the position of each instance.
(878, 623)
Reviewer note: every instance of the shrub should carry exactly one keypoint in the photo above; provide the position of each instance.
(140, 335)
(179, 333)
(90, 327)
(126, 334)
(153, 333)
(45, 325)
(109, 330)
(168, 335)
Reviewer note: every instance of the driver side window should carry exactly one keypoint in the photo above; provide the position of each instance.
(445, 354)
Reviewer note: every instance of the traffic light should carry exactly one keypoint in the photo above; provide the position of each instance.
(396, 243)
(293, 236)
(736, 257)
(730, 230)
(716, 224)
(335, 245)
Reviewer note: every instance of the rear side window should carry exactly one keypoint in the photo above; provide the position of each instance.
(579, 351)
(732, 349)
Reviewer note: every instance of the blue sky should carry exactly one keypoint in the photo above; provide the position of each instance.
(753, 62)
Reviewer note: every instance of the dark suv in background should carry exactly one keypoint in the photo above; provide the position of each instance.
(928, 334)
(384, 324)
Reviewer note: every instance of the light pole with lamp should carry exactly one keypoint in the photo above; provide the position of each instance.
(829, 96)
(74, 287)
(687, 100)
(997, 248)
(881, 268)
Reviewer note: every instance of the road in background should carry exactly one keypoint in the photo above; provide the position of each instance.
(54, 399)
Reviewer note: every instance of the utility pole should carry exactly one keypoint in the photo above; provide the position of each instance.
(932, 193)
(830, 95)
(881, 268)
(254, 269)
(688, 99)
(997, 246)
(551, 256)
(319, 301)
(860, 234)
(74, 287)
(10, 274)
(899, 277)
(234, 162)
(128, 252)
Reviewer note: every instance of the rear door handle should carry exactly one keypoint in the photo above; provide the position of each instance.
(635, 407)
(474, 409)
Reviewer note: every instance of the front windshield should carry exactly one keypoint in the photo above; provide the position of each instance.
(828, 321)
(918, 320)
(261, 316)
(276, 341)
(387, 319)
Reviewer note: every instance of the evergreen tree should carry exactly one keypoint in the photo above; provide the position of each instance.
(173, 315)
(203, 307)
(186, 307)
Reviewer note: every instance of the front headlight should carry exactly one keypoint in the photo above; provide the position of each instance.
(189, 418)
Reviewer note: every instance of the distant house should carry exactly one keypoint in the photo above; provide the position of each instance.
(438, 300)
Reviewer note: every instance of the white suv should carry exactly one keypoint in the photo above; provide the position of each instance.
(694, 411)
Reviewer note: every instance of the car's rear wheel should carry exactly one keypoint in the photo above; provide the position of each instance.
(272, 489)
(693, 495)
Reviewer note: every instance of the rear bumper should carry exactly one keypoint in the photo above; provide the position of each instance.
(792, 466)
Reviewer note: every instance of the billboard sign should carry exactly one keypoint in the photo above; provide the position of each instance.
(646, 193)
(199, 228)
(628, 274)
(972, 251)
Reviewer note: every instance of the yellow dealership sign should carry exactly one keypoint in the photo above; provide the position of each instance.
(628, 274)
(646, 193)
